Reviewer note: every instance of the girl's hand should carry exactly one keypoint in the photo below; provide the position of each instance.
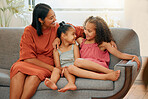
(63, 70)
(136, 59)
(56, 43)
(59, 68)
(113, 44)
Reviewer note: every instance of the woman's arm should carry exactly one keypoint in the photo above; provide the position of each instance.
(119, 54)
(76, 52)
(39, 63)
(56, 43)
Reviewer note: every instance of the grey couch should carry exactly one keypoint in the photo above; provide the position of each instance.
(126, 40)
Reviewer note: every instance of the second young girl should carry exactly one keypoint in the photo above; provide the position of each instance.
(63, 57)
(95, 51)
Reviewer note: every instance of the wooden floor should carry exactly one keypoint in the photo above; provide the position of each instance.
(137, 91)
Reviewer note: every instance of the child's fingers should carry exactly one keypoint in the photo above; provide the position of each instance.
(62, 72)
(136, 59)
(133, 59)
(138, 64)
(57, 46)
(54, 45)
(65, 67)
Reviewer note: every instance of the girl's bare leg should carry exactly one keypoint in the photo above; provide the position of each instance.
(92, 75)
(90, 65)
(17, 85)
(30, 86)
(55, 76)
(71, 82)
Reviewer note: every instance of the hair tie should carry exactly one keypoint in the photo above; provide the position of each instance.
(62, 23)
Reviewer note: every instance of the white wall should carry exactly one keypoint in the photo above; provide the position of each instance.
(136, 17)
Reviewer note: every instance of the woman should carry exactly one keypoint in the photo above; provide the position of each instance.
(36, 53)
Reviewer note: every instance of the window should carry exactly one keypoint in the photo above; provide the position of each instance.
(76, 11)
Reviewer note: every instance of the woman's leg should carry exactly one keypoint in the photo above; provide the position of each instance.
(90, 65)
(55, 76)
(30, 86)
(92, 75)
(17, 85)
(71, 82)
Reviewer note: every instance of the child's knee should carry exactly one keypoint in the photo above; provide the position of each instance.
(71, 68)
(78, 62)
(57, 69)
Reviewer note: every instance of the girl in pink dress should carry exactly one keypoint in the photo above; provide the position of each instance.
(95, 51)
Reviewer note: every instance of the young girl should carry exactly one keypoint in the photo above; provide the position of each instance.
(95, 51)
(64, 57)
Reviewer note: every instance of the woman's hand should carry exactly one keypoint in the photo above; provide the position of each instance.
(136, 59)
(56, 43)
(113, 44)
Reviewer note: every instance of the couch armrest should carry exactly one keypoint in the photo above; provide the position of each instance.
(128, 64)
(128, 75)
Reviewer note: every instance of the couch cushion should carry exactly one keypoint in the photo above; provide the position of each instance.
(83, 84)
(4, 77)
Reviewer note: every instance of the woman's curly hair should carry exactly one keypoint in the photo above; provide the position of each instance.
(103, 33)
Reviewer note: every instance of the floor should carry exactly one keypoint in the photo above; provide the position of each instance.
(138, 91)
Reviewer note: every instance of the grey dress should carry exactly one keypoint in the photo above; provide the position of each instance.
(67, 58)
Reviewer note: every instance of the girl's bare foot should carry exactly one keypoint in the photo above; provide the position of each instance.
(50, 84)
(69, 86)
(113, 76)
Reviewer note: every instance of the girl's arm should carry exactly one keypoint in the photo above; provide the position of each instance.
(76, 52)
(113, 44)
(56, 58)
(119, 54)
(79, 40)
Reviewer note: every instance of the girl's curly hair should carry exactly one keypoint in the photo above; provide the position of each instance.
(103, 33)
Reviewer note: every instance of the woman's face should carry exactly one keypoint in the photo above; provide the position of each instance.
(90, 31)
(50, 19)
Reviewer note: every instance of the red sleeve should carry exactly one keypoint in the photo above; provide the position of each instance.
(27, 46)
(79, 30)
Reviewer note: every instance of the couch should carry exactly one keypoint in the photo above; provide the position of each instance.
(127, 41)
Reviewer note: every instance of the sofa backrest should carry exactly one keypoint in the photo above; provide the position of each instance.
(9, 46)
(126, 39)
(127, 42)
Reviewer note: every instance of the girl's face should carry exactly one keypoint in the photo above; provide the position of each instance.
(70, 35)
(49, 20)
(90, 31)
